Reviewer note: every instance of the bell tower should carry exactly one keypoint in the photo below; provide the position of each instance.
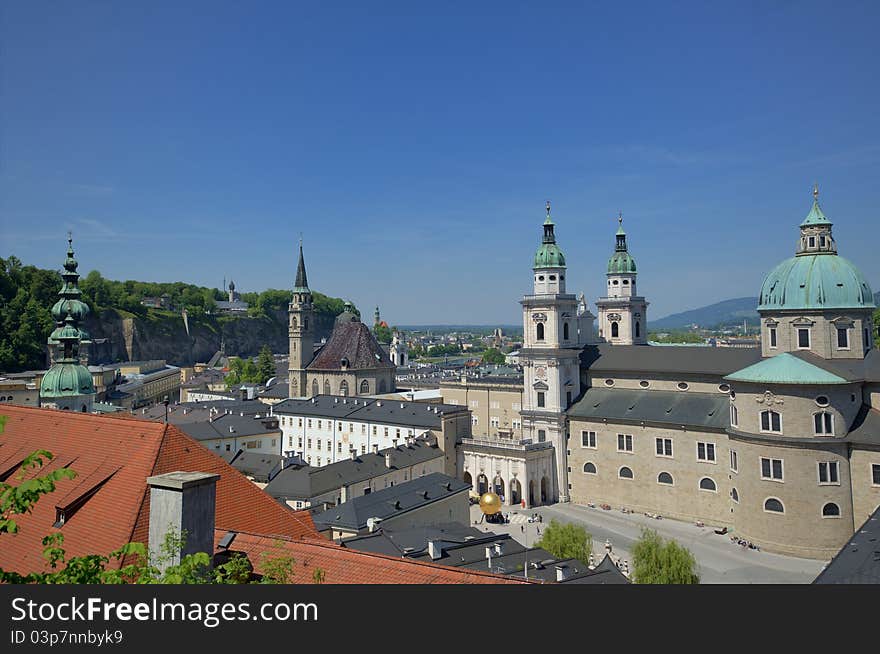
(550, 359)
(623, 313)
(301, 326)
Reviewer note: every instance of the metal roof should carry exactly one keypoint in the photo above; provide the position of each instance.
(785, 369)
(703, 410)
(686, 360)
(857, 562)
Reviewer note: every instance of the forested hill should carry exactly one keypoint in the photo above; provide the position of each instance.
(134, 331)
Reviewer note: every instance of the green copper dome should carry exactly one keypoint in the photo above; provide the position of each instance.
(817, 281)
(621, 262)
(67, 379)
(549, 255)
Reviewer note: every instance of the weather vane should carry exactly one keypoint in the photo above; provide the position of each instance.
(619, 217)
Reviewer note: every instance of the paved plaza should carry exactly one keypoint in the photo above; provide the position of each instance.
(719, 560)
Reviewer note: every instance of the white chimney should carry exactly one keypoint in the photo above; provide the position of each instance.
(353, 454)
(387, 459)
(434, 550)
(499, 548)
(373, 524)
(561, 572)
(375, 448)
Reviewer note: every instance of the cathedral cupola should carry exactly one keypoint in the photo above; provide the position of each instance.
(549, 265)
(816, 235)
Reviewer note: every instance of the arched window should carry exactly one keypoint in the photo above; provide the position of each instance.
(365, 387)
(773, 505)
(565, 331)
(708, 484)
(625, 473)
(315, 390)
(615, 330)
(540, 331)
(638, 329)
(382, 387)
(326, 387)
(293, 322)
(343, 387)
(831, 510)
(734, 496)
(823, 423)
(771, 421)
(664, 478)
(590, 468)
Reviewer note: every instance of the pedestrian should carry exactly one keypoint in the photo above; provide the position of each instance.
(522, 528)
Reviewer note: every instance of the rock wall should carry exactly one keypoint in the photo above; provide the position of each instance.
(159, 336)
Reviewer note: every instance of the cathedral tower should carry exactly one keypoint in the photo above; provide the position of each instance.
(623, 313)
(549, 356)
(301, 326)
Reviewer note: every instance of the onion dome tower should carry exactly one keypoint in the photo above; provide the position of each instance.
(623, 313)
(69, 302)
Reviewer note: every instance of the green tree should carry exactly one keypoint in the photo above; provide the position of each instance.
(567, 541)
(659, 561)
(265, 365)
(383, 334)
(493, 356)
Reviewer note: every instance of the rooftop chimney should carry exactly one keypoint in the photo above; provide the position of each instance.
(435, 551)
(182, 504)
(375, 448)
(353, 454)
(373, 524)
(388, 459)
(499, 548)
(561, 572)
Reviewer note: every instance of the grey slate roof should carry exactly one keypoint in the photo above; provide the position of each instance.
(309, 482)
(253, 464)
(866, 427)
(688, 360)
(392, 501)
(409, 414)
(243, 426)
(354, 342)
(857, 562)
(704, 410)
(202, 411)
(413, 542)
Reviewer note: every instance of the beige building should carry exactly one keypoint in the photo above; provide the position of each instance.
(779, 443)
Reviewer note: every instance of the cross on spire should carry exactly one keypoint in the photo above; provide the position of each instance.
(816, 191)
(619, 217)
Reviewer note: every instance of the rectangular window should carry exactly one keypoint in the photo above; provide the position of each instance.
(843, 338)
(310, 443)
(706, 452)
(773, 337)
(339, 427)
(339, 447)
(828, 472)
(494, 404)
(540, 399)
(812, 242)
(494, 421)
(664, 446)
(821, 241)
(374, 430)
(300, 443)
(474, 404)
(803, 335)
(517, 424)
(474, 420)
(771, 469)
(290, 441)
(517, 406)
(734, 416)
(542, 435)
(588, 439)
(771, 422)
(624, 443)
(299, 422)
(318, 443)
(875, 474)
(734, 465)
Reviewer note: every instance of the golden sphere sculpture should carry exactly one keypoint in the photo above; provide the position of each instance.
(490, 503)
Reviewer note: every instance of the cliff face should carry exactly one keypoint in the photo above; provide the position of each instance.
(118, 337)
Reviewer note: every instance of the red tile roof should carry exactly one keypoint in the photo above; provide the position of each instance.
(113, 456)
(346, 566)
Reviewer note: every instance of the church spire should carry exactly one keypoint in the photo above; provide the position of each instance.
(621, 235)
(302, 283)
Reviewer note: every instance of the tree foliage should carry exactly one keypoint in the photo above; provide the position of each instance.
(493, 356)
(659, 561)
(383, 334)
(567, 541)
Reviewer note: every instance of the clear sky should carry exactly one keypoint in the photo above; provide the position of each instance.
(414, 144)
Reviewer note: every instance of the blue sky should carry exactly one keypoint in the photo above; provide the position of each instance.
(414, 144)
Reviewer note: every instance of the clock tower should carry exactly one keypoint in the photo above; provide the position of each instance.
(552, 342)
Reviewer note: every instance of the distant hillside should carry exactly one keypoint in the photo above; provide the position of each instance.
(728, 312)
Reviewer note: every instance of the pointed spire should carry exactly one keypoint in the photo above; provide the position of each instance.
(302, 283)
(549, 236)
(620, 223)
(620, 246)
(815, 217)
(548, 220)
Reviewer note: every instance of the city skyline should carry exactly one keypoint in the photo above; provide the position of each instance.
(416, 165)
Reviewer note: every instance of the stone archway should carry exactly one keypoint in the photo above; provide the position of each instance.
(498, 486)
(544, 495)
(515, 491)
(482, 484)
(466, 477)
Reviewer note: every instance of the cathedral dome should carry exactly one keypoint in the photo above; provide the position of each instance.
(621, 262)
(818, 281)
(65, 380)
(549, 255)
(817, 277)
